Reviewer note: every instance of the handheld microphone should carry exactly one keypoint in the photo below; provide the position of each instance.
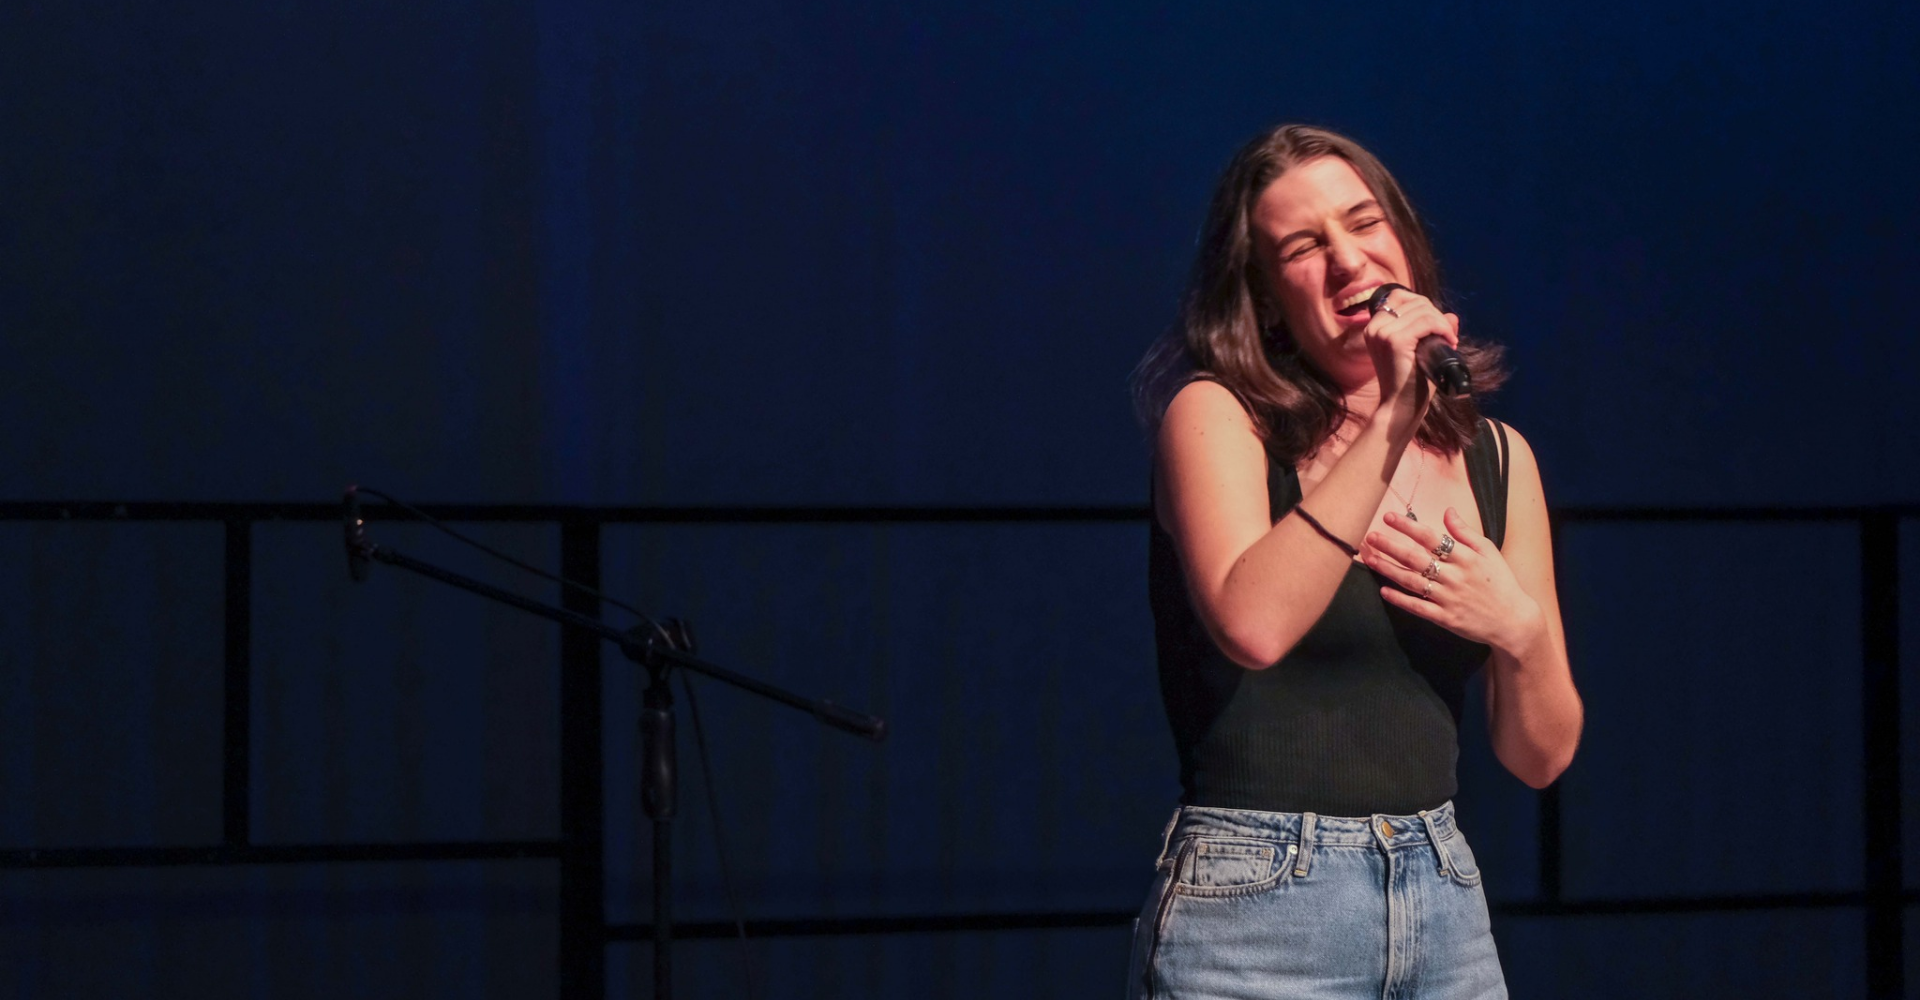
(1438, 360)
(359, 550)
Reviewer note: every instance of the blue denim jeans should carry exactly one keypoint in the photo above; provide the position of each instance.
(1295, 905)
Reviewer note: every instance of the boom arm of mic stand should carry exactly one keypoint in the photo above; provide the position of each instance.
(837, 716)
(638, 649)
(657, 786)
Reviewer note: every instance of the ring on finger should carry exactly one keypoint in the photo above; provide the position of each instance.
(1432, 572)
(1389, 310)
(1444, 549)
(1427, 593)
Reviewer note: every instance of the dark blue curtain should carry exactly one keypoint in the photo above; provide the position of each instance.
(860, 253)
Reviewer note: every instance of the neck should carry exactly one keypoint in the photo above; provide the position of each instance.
(1362, 400)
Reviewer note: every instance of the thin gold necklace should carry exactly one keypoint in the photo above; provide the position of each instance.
(1419, 471)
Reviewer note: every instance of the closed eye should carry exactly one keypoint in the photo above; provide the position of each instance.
(1298, 250)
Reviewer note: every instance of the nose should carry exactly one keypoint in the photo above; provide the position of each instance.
(1344, 256)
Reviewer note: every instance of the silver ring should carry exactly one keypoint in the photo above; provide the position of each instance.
(1389, 310)
(1429, 590)
(1432, 572)
(1444, 549)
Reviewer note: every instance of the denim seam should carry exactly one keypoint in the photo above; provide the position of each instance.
(1281, 874)
(1166, 841)
(1463, 880)
(1278, 858)
(1160, 919)
(1453, 872)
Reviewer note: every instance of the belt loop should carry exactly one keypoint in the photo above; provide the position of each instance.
(1166, 837)
(1300, 860)
(1433, 837)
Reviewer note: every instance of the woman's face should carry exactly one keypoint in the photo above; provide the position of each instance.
(1325, 244)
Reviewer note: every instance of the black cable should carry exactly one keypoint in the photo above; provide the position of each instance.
(535, 570)
(751, 968)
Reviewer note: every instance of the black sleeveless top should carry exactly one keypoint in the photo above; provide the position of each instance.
(1362, 716)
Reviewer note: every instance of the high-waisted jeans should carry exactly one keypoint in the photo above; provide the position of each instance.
(1295, 905)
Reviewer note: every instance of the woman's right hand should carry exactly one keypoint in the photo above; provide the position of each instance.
(1405, 319)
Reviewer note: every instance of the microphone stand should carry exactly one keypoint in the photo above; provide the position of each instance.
(659, 770)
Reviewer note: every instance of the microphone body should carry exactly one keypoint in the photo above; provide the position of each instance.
(1437, 358)
(359, 550)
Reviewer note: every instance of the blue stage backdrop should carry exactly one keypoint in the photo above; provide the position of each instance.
(844, 253)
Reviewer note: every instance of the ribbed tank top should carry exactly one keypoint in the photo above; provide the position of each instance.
(1362, 716)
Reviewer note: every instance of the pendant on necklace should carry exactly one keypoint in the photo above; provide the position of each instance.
(1408, 499)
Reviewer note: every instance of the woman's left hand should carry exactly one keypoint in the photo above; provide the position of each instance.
(1470, 591)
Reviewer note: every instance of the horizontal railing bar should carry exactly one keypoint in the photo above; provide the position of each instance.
(16, 510)
(1690, 904)
(276, 854)
(1095, 919)
(945, 923)
(949, 923)
(1767, 513)
(547, 513)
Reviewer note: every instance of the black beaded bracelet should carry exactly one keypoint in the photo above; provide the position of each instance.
(1324, 533)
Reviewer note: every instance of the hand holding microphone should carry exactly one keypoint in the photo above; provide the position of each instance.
(1437, 358)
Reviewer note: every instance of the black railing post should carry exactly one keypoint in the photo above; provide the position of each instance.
(1550, 844)
(583, 919)
(236, 803)
(1547, 828)
(1880, 707)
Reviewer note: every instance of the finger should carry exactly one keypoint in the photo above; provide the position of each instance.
(1413, 604)
(1386, 301)
(1396, 549)
(1422, 535)
(1409, 575)
(1417, 322)
(1401, 323)
(1422, 311)
(1407, 313)
(1396, 573)
(1411, 532)
(1457, 527)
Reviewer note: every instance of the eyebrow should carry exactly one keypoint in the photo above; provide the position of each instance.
(1358, 207)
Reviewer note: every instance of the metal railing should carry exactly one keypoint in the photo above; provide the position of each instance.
(584, 931)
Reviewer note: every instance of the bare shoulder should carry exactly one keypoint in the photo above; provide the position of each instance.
(1516, 441)
(1206, 424)
(1210, 460)
(1203, 404)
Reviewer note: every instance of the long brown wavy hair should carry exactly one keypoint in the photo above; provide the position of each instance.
(1231, 329)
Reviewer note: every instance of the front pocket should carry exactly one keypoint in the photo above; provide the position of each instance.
(1461, 866)
(1228, 867)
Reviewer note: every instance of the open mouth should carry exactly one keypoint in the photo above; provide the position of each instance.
(1355, 304)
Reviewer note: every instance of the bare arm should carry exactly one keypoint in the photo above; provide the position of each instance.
(1506, 599)
(1257, 585)
(1533, 710)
